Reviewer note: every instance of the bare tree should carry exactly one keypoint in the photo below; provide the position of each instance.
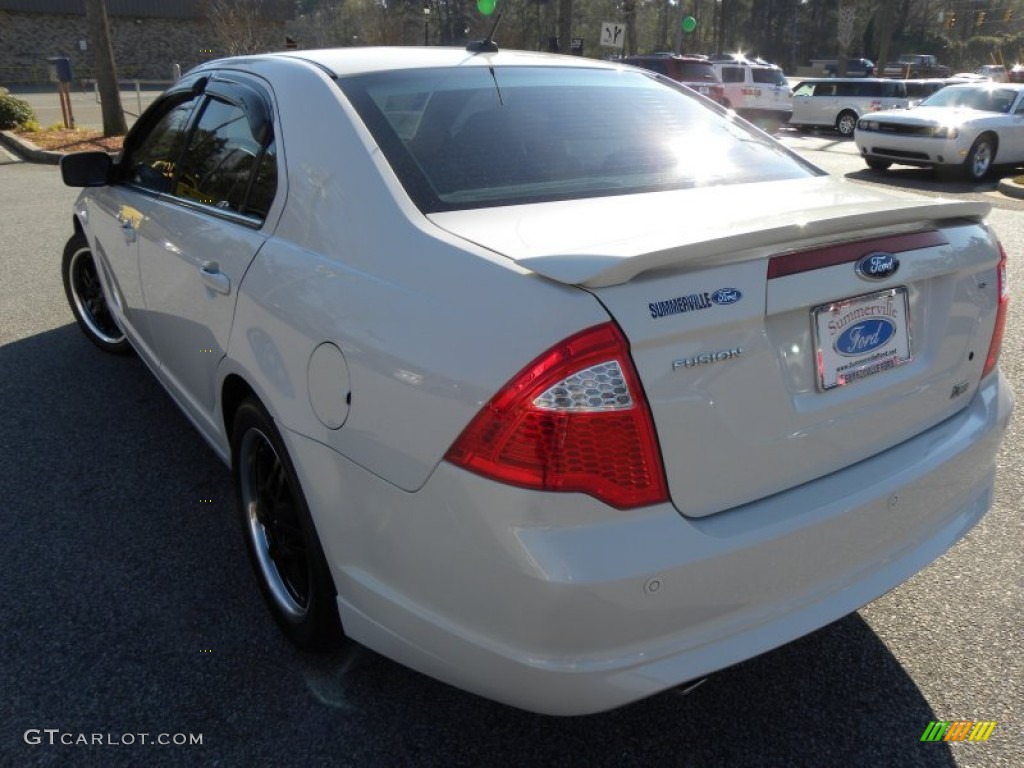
(238, 26)
(846, 20)
(106, 72)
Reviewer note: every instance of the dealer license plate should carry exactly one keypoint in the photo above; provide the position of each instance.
(861, 336)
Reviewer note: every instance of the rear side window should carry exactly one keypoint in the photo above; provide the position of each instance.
(863, 90)
(222, 160)
(733, 75)
(476, 137)
(823, 89)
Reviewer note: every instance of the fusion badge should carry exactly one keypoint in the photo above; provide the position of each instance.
(707, 358)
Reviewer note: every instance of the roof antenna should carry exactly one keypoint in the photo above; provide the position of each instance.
(487, 45)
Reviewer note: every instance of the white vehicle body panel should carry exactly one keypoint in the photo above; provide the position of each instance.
(574, 608)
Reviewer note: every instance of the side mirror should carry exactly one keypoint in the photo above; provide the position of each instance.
(86, 169)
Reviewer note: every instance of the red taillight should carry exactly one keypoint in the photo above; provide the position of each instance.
(1004, 300)
(575, 419)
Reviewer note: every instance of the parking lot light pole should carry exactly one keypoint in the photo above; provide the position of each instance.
(426, 25)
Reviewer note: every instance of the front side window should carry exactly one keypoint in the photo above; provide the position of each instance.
(476, 137)
(152, 161)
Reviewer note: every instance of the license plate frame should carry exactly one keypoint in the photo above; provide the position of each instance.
(860, 336)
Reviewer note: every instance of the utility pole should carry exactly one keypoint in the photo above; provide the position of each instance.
(106, 73)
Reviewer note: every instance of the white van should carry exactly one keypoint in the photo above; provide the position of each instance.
(757, 91)
(838, 102)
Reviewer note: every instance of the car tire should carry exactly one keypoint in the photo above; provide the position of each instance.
(980, 159)
(85, 296)
(878, 165)
(279, 534)
(846, 124)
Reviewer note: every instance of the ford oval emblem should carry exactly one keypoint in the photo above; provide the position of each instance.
(877, 266)
(726, 296)
(865, 337)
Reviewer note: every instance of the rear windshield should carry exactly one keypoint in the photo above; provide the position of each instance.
(983, 98)
(477, 137)
(697, 71)
(767, 75)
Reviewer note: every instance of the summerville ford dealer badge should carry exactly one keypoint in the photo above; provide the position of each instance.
(861, 336)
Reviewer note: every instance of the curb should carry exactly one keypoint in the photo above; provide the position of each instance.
(1011, 188)
(28, 151)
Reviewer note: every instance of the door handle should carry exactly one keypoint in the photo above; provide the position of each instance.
(213, 277)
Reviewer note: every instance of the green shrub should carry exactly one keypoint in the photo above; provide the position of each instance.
(14, 112)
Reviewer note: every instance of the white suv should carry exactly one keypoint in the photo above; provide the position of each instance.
(757, 91)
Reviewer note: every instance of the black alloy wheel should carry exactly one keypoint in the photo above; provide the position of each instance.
(85, 297)
(279, 533)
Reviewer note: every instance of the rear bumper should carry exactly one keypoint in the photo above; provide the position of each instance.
(557, 604)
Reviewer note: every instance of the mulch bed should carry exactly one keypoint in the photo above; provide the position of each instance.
(72, 140)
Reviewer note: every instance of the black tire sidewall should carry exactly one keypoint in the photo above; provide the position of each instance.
(320, 627)
(76, 243)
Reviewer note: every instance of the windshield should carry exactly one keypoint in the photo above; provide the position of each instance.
(476, 137)
(983, 98)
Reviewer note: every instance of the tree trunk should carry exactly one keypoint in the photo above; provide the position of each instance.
(883, 33)
(565, 26)
(106, 72)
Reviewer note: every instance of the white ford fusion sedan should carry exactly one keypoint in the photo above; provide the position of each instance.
(545, 376)
(966, 129)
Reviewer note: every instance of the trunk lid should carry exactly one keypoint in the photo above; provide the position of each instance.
(768, 358)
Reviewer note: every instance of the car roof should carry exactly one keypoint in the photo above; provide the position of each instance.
(350, 61)
(849, 80)
(662, 56)
(987, 85)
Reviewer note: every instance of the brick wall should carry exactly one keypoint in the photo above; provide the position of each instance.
(145, 48)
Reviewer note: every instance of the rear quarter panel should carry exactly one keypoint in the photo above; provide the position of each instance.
(430, 327)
